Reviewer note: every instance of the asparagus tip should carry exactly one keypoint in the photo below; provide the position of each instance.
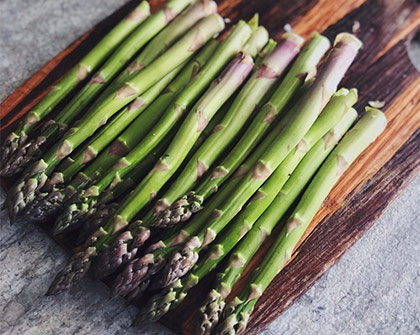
(180, 211)
(134, 274)
(43, 206)
(13, 162)
(75, 270)
(210, 313)
(157, 306)
(181, 262)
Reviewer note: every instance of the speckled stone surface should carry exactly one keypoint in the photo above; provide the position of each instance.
(374, 289)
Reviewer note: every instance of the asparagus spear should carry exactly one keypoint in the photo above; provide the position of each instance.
(209, 129)
(139, 270)
(225, 52)
(38, 209)
(339, 104)
(227, 49)
(195, 122)
(133, 177)
(211, 310)
(170, 297)
(355, 142)
(225, 193)
(306, 62)
(82, 70)
(249, 97)
(52, 195)
(306, 112)
(35, 176)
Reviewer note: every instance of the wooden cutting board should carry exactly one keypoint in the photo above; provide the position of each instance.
(383, 71)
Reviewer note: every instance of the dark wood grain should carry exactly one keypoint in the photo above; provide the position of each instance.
(382, 72)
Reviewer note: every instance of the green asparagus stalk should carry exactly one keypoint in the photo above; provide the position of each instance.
(53, 194)
(249, 97)
(81, 71)
(112, 194)
(306, 62)
(195, 122)
(225, 52)
(56, 194)
(225, 193)
(100, 213)
(339, 104)
(211, 310)
(142, 268)
(105, 75)
(209, 129)
(353, 144)
(36, 175)
(306, 112)
(256, 42)
(227, 49)
(190, 130)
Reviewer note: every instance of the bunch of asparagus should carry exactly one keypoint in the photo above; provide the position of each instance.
(179, 151)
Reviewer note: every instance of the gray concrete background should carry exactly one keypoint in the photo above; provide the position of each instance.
(374, 289)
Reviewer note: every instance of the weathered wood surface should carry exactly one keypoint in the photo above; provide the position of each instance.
(383, 71)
